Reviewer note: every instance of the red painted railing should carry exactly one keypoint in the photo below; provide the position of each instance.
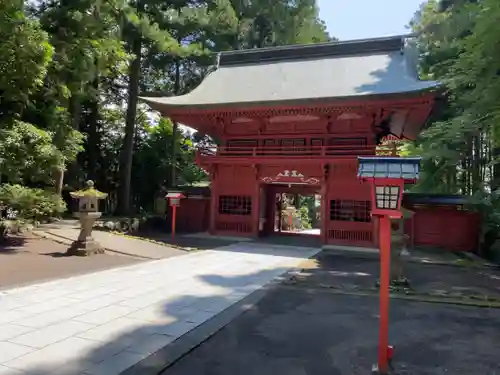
(348, 152)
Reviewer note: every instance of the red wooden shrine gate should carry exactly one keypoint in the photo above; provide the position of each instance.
(299, 116)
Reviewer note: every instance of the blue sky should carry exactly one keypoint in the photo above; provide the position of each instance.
(357, 19)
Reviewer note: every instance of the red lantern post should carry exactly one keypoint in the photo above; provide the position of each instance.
(387, 176)
(174, 201)
(385, 265)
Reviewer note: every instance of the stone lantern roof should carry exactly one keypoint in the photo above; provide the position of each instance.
(88, 191)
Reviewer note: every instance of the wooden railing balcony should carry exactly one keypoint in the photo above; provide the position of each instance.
(307, 153)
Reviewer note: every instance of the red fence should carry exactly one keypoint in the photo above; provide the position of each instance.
(444, 227)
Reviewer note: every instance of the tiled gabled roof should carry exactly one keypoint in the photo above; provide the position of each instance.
(303, 73)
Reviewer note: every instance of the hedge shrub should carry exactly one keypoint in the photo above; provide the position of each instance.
(31, 203)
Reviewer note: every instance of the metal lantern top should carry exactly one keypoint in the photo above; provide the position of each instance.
(174, 198)
(387, 176)
(407, 169)
(88, 197)
(174, 195)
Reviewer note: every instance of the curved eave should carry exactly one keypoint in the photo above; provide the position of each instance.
(167, 106)
(439, 104)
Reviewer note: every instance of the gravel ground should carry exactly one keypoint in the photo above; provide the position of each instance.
(354, 273)
(300, 331)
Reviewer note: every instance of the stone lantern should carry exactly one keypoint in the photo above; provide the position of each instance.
(88, 213)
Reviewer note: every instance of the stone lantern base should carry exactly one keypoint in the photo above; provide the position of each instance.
(85, 245)
(85, 248)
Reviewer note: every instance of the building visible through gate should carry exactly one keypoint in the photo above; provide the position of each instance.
(295, 119)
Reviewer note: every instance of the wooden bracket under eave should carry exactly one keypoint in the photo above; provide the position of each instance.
(221, 125)
(328, 124)
(262, 125)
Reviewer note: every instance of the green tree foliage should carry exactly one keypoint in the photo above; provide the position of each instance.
(22, 70)
(153, 149)
(182, 28)
(262, 23)
(71, 72)
(455, 146)
(459, 42)
(25, 54)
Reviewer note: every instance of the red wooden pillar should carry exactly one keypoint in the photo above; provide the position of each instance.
(280, 212)
(214, 199)
(325, 212)
(256, 210)
(413, 231)
(376, 230)
(270, 210)
(174, 218)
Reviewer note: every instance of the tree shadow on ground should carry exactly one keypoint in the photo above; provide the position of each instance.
(292, 331)
(268, 248)
(289, 329)
(312, 331)
(398, 74)
(113, 347)
(270, 245)
(347, 273)
(186, 241)
(12, 244)
(57, 255)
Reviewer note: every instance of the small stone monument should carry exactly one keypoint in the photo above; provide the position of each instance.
(407, 215)
(399, 249)
(88, 206)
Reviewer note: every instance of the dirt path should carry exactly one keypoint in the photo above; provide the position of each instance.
(29, 259)
(113, 242)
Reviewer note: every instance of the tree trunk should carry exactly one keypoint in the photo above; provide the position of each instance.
(469, 166)
(175, 128)
(495, 184)
(128, 142)
(93, 136)
(59, 179)
(73, 170)
(476, 164)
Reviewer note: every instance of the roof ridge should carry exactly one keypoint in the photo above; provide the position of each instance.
(301, 51)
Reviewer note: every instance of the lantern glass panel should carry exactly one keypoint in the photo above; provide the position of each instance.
(387, 197)
(393, 204)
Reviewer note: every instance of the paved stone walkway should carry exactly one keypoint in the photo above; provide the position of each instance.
(103, 323)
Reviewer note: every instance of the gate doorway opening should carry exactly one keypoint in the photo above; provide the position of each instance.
(289, 210)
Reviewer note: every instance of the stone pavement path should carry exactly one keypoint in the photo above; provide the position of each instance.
(103, 323)
(112, 242)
